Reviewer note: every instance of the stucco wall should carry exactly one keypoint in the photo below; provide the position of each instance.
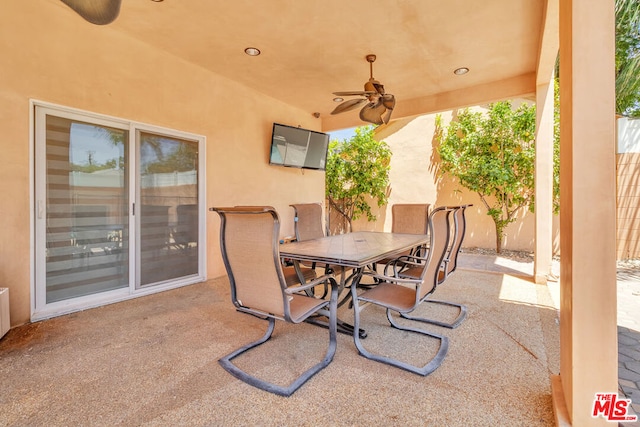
(48, 53)
(415, 179)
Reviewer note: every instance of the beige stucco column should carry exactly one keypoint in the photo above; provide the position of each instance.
(588, 335)
(544, 183)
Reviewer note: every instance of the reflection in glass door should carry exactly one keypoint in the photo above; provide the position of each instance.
(168, 208)
(117, 210)
(85, 212)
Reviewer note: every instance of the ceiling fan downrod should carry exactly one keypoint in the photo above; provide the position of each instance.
(371, 59)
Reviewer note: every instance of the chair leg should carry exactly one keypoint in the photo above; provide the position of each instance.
(425, 370)
(226, 363)
(458, 320)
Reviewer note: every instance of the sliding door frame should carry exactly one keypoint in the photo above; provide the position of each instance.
(39, 308)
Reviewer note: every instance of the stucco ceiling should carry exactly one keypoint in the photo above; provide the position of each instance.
(313, 48)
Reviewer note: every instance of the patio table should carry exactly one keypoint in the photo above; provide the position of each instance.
(356, 250)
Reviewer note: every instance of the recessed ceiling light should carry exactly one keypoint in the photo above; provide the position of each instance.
(252, 51)
(338, 99)
(460, 71)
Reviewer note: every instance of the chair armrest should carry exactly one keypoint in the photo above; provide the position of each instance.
(312, 284)
(420, 251)
(392, 279)
(402, 262)
(412, 259)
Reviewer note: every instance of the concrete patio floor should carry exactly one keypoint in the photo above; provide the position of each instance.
(628, 301)
(153, 361)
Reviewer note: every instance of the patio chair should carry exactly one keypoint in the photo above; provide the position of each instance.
(409, 218)
(308, 221)
(291, 276)
(450, 262)
(403, 295)
(308, 226)
(249, 245)
(449, 265)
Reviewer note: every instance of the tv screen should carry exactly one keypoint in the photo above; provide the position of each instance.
(299, 148)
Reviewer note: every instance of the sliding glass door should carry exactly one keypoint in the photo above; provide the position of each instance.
(117, 209)
(83, 208)
(168, 201)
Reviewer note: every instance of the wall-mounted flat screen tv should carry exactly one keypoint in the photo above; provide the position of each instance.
(298, 148)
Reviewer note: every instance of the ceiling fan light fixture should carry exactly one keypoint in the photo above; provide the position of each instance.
(338, 99)
(252, 51)
(460, 71)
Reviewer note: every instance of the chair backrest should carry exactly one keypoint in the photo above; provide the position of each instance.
(308, 221)
(249, 246)
(410, 218)
(459, 230)
(439, 231)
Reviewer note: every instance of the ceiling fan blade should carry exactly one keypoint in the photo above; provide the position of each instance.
(387, 116)
(99, 12)
(389, 101)
(372, 113)
(348, 105)
(354, 93)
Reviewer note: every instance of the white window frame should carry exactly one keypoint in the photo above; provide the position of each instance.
(39, 308)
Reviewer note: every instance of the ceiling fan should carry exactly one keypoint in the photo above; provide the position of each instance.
(99, 12)
(379, 104)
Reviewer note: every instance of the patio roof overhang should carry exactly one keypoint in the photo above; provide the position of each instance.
(309, 51)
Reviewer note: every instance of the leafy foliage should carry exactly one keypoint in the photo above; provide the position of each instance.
(182, 157)
(90, 167)
(356, 169)
(556, 146)
(493, 155)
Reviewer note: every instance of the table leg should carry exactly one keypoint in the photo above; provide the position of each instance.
(319, 320)
(343, 327)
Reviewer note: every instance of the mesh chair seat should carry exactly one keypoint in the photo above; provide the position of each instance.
(301, 307)
(397, 297)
